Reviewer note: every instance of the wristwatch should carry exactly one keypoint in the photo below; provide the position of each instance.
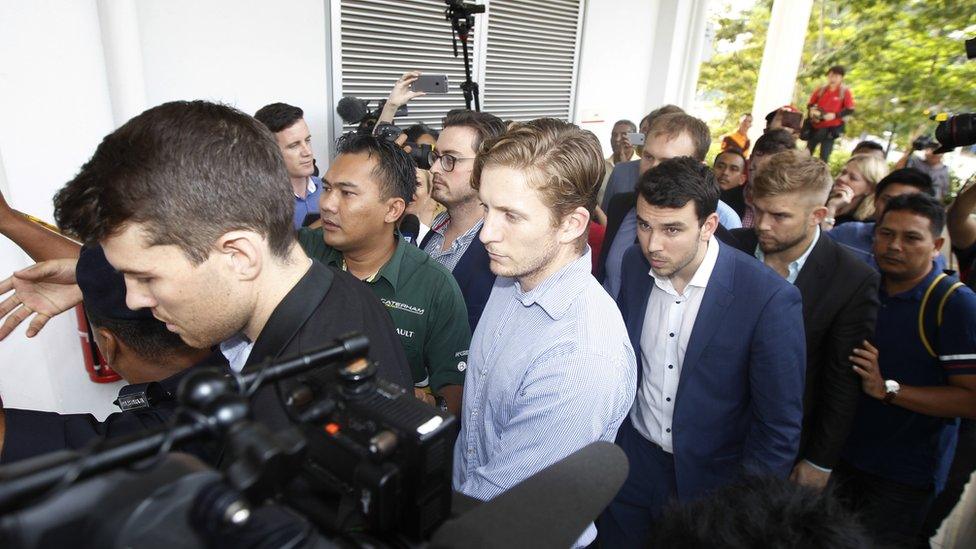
(891, 389)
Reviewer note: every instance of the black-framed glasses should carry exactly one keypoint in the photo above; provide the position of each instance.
(448, 161)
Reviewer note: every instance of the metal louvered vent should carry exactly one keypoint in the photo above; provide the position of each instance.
(382, 39)
(530, 62)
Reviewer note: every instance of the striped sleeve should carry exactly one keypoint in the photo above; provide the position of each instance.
(957, 334)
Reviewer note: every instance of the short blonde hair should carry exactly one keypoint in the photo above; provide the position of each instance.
(793, 171)
(562, 162)
(872, 169)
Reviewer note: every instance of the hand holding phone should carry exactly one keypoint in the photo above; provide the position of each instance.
(430, 83)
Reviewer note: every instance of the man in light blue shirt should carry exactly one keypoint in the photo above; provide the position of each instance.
(288, 125)
(551, 368)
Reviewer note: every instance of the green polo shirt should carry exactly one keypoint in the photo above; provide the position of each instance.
(425, 303)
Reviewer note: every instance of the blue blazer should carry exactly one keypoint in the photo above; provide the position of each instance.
(474, 277)
(739, 404)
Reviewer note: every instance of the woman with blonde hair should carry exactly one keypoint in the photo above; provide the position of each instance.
(852, 197)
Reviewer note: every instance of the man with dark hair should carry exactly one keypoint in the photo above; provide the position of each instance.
(731, 173)
(918, 376)
(869, 147)
(453, 237)
(366, 190)
(670, 135)
(133, 343)
(840, 297)
(231, 275)
(761, 512)
(858, 236)
(551, 369)
(827, 108)
(288, 125)
(729, 329)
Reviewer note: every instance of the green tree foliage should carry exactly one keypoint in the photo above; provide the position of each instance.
(903, 57)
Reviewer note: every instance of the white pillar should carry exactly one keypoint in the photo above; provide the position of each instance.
(679, 38)
(781, 60)
(119, 25)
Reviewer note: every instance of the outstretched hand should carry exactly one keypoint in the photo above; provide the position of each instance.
(401, 92)
(44, 291)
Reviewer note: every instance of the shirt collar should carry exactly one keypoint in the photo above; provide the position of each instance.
(310, 187)
(390, 270)
(701, 276)
(556, 293)
(443, 219)
(795, 266)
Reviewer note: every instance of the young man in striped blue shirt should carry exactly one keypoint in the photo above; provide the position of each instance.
(551, 368)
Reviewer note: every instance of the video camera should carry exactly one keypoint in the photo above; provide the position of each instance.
(363, 454)
(959, 130)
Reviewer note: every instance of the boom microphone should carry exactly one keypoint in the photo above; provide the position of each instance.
(551, 508)
(352, 110)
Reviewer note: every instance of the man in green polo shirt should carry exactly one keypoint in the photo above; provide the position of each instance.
(364, 194)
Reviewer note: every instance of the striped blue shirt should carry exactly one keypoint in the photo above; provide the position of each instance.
(550, 371)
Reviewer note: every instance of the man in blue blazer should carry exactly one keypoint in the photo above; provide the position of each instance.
(720, 356)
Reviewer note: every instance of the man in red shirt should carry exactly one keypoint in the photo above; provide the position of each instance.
(827, 109)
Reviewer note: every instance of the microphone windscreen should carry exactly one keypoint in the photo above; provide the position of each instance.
(410, 227)
(352, 110)
(552, 508)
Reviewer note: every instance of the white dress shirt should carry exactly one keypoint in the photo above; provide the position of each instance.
(668, 322)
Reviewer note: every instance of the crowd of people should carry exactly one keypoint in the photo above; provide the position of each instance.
(779, 351)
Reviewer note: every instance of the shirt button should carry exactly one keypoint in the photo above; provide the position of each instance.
(671, 334)
(668, 429)
(678, 302)
(670, 366)
(669, 399)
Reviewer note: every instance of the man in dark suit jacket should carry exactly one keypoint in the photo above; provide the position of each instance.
(840, 299)
(720, 354)
(453, 239)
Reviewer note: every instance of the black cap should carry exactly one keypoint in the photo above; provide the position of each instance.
(103, 288)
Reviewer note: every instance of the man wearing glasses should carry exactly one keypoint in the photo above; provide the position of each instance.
(453, 238)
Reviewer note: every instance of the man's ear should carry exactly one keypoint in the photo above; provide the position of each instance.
(243, 252)
(709, 226)
(574, 225)
(394, 209)
(819, 213)
(108, 344)
(939, 242)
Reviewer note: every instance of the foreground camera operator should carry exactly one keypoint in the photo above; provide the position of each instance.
(217, 264)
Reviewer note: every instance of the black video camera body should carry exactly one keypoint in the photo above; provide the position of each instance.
(379, 445)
